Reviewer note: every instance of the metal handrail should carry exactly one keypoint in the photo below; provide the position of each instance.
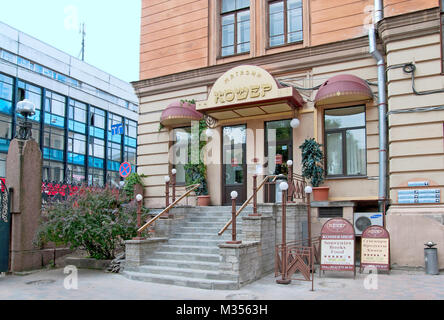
(146, 225)
(247, 202)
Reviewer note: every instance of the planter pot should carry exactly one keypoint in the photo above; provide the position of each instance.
(203, 201)
(320, 193)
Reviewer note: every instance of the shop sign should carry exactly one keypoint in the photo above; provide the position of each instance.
(375, 248)
(279, 159)
(338, 246)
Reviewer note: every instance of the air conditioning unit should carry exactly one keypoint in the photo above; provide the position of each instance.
(363, 220)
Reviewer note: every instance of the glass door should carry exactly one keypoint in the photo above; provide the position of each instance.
(234, 164)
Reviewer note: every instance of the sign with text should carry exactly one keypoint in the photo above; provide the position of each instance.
(375, 248)
(338, 245)
(279, 159)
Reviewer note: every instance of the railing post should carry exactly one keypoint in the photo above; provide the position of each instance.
(290, 181)
(308, 190)
(255, 197)
(173, 184)
(233, 219)
(139, 199)
(167, 191)
(284, 280)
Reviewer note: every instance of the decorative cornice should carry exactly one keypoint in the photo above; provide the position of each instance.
(409, 25)
(291, 61)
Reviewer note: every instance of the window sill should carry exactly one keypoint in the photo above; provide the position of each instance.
(219, 57)
(268, 47)
(345, 177)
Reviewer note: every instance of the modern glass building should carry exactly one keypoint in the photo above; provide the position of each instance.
(85, 121)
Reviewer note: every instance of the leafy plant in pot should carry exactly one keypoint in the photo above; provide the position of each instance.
(196, 173)
(312, 157)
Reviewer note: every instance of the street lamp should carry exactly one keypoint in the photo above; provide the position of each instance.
(308, 191)
(294, 123)
(284, 187)
(26, 109)
(139, 199)
(234, 196)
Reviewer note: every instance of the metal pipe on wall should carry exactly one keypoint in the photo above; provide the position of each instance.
(382, 104)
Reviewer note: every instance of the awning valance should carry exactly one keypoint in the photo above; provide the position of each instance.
(179, 113)
(343, 88)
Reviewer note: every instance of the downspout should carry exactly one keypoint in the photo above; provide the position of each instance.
(382, 105)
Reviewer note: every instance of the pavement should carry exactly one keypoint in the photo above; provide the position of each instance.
(50, 284)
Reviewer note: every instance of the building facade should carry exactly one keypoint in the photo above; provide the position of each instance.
(77, 106)
(253, 66)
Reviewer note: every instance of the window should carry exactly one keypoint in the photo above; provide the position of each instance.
(75, 174)
(76, 148)
(96, 148)
(96, 177)
(54, 109)
(235, 27)
(181, 149)
(5, 94)
(53, 171)
(285, 22)
(77, 116)
(2, 165)
(53, 143)
(97, 123)
(279, 145)
(345, 141)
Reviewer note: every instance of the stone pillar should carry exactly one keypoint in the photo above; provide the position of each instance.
(261, 229)
(136, 251)
(24, 176)
(240, 262)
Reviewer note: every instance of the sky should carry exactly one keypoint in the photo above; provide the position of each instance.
(112, 29)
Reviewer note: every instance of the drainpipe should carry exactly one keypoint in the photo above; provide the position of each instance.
(382, 105)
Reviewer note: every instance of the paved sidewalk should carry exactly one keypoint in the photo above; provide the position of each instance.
(94, 285)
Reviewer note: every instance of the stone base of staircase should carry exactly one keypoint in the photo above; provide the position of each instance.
(191, 255)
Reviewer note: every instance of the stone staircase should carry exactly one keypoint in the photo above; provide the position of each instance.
(191, 256)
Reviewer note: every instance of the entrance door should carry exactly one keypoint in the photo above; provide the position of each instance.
(278, 150)
(234, 164)
(5, 223)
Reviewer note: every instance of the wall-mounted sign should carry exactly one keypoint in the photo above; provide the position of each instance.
(117, 129)
(338, 246)
(279, 159)
(375, 248)
(418, 183)
(419, 196)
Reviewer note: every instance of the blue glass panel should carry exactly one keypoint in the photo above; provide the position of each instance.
(113, 166)
(54, 120)
(46, 153)
(56, 155)
(5, 106)
(114, 137)
(95, 162)
(76, 158)
(96, 132)
(130, 142)
(76, 126)
(4, 145)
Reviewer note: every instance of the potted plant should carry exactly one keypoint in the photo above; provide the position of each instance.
(196, 173)
(312, 157)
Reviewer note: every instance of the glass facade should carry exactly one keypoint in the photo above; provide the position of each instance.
(77, 142)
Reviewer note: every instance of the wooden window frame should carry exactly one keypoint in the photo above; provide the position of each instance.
(343, 131)
(286, 43)
(235, 44)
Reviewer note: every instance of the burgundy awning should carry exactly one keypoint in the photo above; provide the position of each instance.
(343, 88)
(178, 113)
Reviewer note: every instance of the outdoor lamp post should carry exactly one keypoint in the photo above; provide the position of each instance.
(27, 109)
(308, 191)
(139, 199)
(284, 187)
(290, 180)
(234, 195)
(173, 184)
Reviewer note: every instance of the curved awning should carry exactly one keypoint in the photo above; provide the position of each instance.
(179, 113)
(342, 89)
(248, 91)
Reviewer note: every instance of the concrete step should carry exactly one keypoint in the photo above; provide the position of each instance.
(182, 281)
(200, 265)
(207, 257)
(189, 273)
(202, 236)
(201, 230)
(194, 242)
(189, 249)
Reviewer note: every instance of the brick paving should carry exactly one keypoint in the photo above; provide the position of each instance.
(92, 285)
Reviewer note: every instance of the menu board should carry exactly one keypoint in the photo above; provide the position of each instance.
(338, 245)
(375, 248)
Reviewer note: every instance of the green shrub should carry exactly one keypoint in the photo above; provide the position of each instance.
(94, 219)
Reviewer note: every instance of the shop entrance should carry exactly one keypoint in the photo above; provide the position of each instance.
(278, 150)
(234, 164)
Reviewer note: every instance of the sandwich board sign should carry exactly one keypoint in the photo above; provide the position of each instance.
(338, 246)
(375, 248)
